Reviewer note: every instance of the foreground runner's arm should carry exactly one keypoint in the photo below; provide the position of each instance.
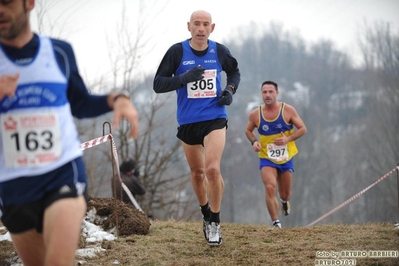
(86, 105)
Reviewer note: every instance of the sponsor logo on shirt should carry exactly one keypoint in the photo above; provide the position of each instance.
(23, 61)
(191, 62)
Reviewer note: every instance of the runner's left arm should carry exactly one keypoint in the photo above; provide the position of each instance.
(83, 104)
(229, 65)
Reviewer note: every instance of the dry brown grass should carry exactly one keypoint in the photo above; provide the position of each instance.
(182, 243)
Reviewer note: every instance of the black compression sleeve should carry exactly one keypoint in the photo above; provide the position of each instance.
(165, 80)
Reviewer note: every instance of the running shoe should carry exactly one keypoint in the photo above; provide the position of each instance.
(215, 234)
(205, 228)
(285, 208)
(277, 224)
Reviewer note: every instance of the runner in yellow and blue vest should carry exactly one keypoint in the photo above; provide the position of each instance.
(276, 147)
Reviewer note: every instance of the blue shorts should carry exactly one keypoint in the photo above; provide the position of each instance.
(288, 166)
(24, 200)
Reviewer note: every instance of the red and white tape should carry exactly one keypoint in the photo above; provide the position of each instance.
(354, 197)
(97, 141)
(94, 142)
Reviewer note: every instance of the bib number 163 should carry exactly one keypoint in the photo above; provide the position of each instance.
(30, 139)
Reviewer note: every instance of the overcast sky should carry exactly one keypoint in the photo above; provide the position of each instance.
(91, 24)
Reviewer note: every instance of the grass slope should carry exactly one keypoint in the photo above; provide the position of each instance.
(182, 243)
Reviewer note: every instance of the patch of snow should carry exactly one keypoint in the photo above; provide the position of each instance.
(6, 236)
(89, 252)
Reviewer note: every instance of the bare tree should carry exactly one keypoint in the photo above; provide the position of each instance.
(379, 138)
(56, 26)
(159, 156)
(351, 115)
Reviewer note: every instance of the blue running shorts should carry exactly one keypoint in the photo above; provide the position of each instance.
(288, 166)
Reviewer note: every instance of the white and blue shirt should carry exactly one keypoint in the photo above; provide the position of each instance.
(37, 131)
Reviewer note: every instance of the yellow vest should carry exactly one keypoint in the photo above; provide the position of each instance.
(269, 131)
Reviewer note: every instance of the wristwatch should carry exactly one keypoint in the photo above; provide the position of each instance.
(233, 89)
(121, 94)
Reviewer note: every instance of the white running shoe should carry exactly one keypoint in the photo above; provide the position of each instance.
(205, 228)
(277, 224)
(215, 234)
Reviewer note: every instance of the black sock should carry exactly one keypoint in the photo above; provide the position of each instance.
(206, 211)
(215, 218)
